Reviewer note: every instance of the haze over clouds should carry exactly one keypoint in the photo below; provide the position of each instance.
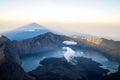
(96, 17)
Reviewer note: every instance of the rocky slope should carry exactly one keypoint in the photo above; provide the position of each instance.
(10, 68)
(44, 42)
(109, 48)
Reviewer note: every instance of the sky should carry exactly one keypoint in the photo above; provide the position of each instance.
(96, 17)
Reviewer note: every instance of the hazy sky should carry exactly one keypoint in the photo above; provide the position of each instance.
(71, 15)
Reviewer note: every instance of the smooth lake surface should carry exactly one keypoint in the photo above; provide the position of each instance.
(31, 62)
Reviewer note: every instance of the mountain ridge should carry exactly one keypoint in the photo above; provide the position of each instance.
(43, 42)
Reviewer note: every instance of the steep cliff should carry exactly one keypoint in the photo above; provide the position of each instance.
(10, 68)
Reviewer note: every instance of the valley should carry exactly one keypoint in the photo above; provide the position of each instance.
(29, 53)
(59, 39)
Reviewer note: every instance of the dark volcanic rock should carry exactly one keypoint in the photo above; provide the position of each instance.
(60, 69)
(3, 39)
(10, 68)
(12, 71)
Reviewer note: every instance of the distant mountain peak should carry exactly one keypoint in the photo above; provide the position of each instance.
(34, 23)
(32, 26)
(49, 33)
(27, 31)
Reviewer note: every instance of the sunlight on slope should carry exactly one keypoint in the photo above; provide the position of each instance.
(93, 40)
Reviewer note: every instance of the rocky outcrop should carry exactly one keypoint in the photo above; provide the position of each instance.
(12, 71)
(10, 68)
(60, 69)
(3, 41)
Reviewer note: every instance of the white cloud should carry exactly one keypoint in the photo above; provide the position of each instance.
(69, 54)
(70, 42)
